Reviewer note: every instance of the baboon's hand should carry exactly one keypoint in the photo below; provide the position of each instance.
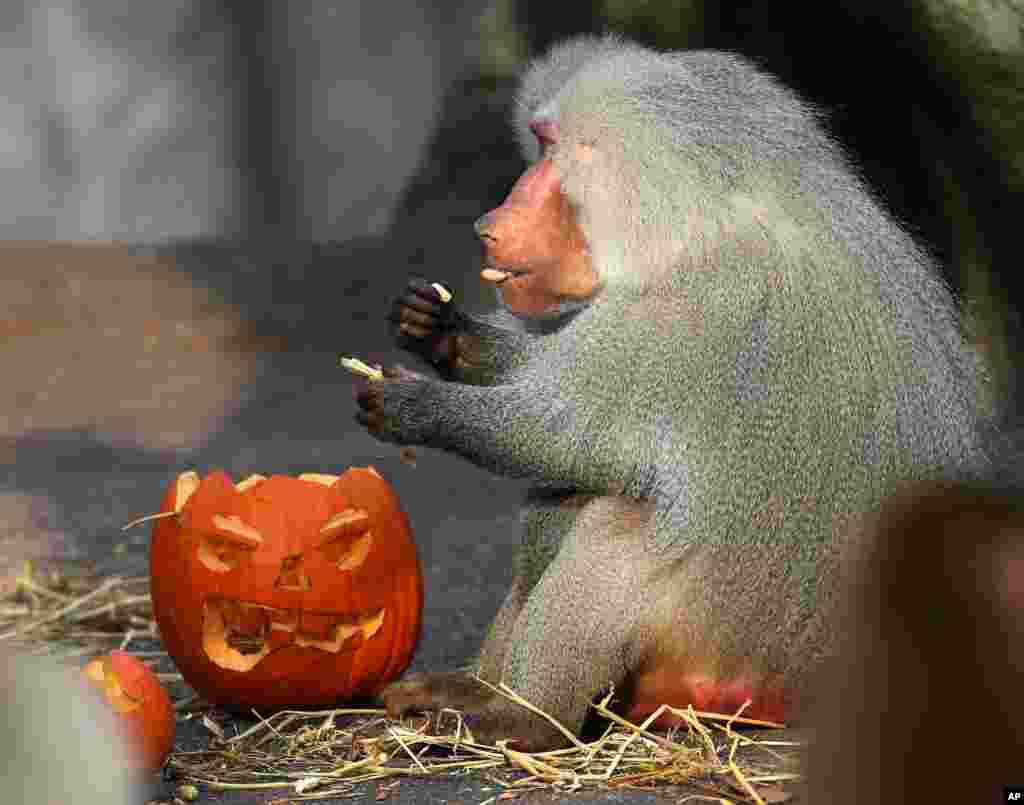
(416, 693)
(423, 323)
(488, 717)
(397, 408)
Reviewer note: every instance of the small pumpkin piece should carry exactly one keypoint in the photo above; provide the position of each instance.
(143, 708)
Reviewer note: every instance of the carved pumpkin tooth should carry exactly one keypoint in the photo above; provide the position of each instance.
(231, 528)
(284, 622)
(338, 632)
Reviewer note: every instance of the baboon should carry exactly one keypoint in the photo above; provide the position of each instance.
(923, 702)
(716, 355)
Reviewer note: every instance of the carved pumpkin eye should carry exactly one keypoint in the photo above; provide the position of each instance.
(347, 539)
(286, 591)
(219, 550)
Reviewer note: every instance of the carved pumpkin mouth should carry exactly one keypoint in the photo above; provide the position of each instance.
(237, 635)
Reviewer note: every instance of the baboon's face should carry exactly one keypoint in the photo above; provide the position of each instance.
(536, 252)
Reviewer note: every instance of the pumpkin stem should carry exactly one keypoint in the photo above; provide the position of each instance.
(147, 518)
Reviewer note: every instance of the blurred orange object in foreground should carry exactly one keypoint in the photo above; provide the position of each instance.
(142, 705)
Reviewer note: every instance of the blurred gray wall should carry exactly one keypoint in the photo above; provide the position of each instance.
(147, 120)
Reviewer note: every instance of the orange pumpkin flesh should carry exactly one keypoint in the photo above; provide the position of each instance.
(142, 705)
(286, 591)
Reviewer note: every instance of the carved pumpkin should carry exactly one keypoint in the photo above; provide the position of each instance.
(283, 591)
(143, 707)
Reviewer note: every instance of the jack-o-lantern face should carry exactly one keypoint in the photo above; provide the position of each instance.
(283, 591)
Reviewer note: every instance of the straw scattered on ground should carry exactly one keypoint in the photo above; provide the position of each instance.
(308, 755)
(328, 753)
(65, 608)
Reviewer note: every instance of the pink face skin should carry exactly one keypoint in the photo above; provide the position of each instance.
(536, 251)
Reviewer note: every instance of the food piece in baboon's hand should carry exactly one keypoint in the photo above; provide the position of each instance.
(357, 367)
(442, 291)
